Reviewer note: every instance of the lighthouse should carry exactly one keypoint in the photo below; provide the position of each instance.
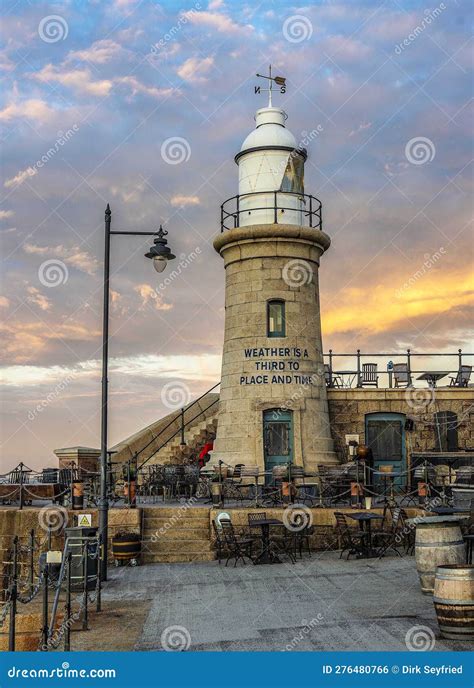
(273, 405)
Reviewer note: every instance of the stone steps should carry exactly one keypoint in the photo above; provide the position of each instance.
(171, 535)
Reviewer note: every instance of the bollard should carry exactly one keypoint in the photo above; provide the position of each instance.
(85, 618)
(32, 560)
(98, 606)
(44, 630)
(13, 597)
(67, 634)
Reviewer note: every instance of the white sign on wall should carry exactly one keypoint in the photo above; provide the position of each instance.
(84, 520)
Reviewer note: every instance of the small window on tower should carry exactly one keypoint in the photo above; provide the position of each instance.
(293, 177)
(276, 319)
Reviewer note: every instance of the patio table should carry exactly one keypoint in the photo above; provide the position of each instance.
(365, 519)
(432, 377)
(268, 555)
(351, 376)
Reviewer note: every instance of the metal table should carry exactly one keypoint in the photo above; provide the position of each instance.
(351, 375)
(365, 519)
(268, 555)
(433, 376)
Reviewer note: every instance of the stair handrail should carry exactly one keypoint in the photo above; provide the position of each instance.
(177, 432)
(179, 413)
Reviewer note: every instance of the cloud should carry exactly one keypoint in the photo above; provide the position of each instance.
(149, 295)
(80, 80)
(361, 127)
(4, 302)
(181, 201)
(33, 109)
(195, 69)
(36, 298)
(136, 86)
(100, 52)
(23, 342)
(20, 177)
(218, 22)
(74, 256)
(4, 214)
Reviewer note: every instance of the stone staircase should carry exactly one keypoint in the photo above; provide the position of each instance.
(176, 534)
(200, 419)
(195, 437)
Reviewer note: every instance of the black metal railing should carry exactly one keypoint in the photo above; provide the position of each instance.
(352, 372)
(311, 208)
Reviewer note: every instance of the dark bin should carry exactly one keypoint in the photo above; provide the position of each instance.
(77, 537)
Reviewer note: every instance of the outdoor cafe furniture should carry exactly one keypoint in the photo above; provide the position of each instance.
(401, 375)
(238, 548)
(350, 541)
(368, 376)
(331, 378)
(364, 519)
(268, 554)
(462, 378)
(433, 377)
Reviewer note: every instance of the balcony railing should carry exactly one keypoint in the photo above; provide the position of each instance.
(435, 369)
(311, 208)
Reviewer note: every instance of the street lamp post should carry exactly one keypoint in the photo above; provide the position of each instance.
(160, 253)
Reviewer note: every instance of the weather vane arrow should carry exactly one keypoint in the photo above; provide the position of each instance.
(278, 80)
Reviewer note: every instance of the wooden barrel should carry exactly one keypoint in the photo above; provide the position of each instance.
(454, 601)
(126, 546)
(437, 544)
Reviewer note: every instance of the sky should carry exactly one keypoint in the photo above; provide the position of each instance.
(143, 105)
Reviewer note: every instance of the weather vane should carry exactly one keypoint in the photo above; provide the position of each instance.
(278, 80)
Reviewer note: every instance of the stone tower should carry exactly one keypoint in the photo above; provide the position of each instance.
(273, 405)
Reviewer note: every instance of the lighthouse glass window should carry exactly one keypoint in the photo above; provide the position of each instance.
(293, 177)
(276, 319)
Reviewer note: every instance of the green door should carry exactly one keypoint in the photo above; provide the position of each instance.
(385, 435)
(278, 437)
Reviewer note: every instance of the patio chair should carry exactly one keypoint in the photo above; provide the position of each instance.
(331, 380)
(238, 548)
(351, 541)
(462, 378)
(303, 493)
(401, 376)
(392, 537)
(304, 532)
(369, 377)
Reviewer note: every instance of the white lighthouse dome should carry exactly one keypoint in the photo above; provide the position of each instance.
(271, 173)
(270, 130)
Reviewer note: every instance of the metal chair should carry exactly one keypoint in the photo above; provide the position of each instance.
(462, 377)
(393, 536)
(369, 377)
(351, 541)
(238, 548)
(401, 376)
(331, 379)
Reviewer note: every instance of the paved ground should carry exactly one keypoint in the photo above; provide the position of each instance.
(323, 603)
